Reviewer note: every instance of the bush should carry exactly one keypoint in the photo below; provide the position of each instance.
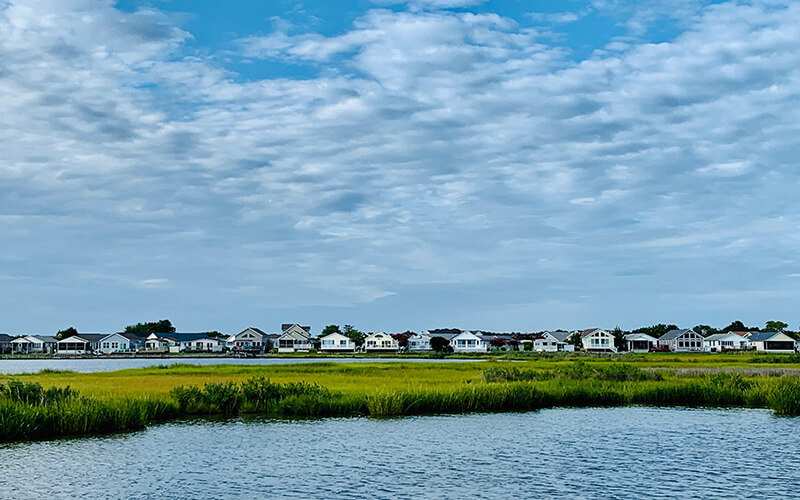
(225, 397)
(33, 393)
(257, 394)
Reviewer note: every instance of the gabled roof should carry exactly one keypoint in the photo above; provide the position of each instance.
(286, 326)
(254, 329)
(586, 333)
(332, 334)
(720, 336)
(764, 336)
(470, 334)
(674, 334)
(5, 338)
(561, 335)
(444, 335)
(640, 336)
(43, 338)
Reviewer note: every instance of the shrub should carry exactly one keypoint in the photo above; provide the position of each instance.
(190, 399)
(224, 397)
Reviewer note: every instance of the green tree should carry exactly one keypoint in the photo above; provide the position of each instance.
(441, 344)
(330, 329)
(66, 333)
(575, 340)
(656, 330)
(402, 339)
(619, 338)
(356, 336)
(776, 326)
(738, 326)
(705, 330)
(163, 326)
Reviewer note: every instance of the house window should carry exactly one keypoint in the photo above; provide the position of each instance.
(105, 345)
(342, 343)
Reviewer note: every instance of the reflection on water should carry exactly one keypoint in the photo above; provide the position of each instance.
(13, 366)
(574, 453)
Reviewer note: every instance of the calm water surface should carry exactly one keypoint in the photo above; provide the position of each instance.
(12, 366)
(570, 453)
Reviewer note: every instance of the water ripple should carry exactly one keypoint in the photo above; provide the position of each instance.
(619, 453)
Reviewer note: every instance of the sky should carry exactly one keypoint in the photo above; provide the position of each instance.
(503, 165)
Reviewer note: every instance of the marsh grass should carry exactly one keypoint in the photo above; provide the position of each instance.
(784, 398)
(131, 399)
(30, 412)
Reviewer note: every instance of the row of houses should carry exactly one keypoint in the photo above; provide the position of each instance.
(690, 341)
(294, 338)
(297, 338)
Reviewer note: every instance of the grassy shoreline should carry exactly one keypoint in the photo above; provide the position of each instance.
(133, 399)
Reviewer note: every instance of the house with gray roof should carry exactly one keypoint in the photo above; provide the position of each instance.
(774, 342)
(640, 342)
(78, 345)
(34, 344)
(184, 342)
(730, 341)
(682, 341)
(250, 340)
(552, 342)
(295, 338)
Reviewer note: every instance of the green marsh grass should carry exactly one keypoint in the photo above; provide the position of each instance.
(54, 404)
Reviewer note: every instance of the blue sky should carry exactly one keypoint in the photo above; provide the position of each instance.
(499, 165)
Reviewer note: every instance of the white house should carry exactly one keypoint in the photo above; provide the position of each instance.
(249, 340)
(336, 342)
(34, 344)
(380, 342)
(78, 345)
(295, 338)
(682, 341)
(419, 342)
(184, 342)
(120, 343)
(719, 342)
(469, 342)
(776, 342)
(552, 342)
(640, 342)
(597, 340)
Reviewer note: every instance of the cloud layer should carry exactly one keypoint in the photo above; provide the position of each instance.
(442, 167)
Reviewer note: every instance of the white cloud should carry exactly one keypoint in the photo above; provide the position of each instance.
(434, 146)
